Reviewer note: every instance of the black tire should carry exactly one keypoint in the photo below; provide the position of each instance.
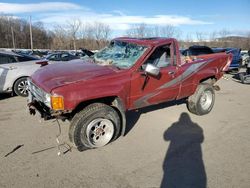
(20, 87)
(84, 130)
(241, 76)
(202, 101)
(248, 70)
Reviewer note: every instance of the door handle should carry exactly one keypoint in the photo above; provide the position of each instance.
(12, 67)
(171, 72)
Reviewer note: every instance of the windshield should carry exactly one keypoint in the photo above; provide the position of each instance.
(119, 53)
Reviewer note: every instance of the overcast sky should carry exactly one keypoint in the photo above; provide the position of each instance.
(189, 16)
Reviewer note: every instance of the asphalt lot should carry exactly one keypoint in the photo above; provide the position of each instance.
(165, 146)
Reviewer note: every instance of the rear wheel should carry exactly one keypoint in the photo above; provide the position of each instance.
(202, 101)
(21, 87)
(95, 126)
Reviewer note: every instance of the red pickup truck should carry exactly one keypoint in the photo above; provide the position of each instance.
(130, 73)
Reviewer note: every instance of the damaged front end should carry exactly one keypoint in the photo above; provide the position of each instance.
(49, 106)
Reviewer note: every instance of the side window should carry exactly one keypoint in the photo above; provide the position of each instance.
(24, 58)
(6, 59)
(161, 57)
(53, 57)
(65, 57)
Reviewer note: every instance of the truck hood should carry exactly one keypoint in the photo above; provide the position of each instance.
(59, 74)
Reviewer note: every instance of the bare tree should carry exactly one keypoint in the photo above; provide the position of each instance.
(213, 39)
(200, 36)
(60, 39)
(139, 30)
(73, 29)
(101, 33)
(143, 30)
(95, 35)
(16, 29)
(170, 31)
(223, 34)
(87, 31)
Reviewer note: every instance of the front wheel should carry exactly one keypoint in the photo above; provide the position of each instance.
(95, 126)
(202, 101)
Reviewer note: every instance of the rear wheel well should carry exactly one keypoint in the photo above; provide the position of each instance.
(209, 80)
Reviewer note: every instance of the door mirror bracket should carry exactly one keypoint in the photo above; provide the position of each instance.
(152, 70)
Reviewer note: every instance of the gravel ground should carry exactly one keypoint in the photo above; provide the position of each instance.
(165, 146)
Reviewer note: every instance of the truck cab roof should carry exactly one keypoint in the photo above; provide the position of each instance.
(152, 41)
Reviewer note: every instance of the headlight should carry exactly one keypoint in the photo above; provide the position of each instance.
(54, 102)
(47, 100)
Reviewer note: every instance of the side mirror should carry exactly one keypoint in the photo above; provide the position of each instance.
(152, 70)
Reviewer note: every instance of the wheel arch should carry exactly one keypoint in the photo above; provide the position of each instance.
(210, 80)
(18, 79)
(113, 101)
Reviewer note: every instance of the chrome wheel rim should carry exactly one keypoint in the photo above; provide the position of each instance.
(206, 100)
(99, 132)
(23, 87)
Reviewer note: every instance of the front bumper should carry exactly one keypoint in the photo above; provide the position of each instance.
(36, 106)
(37, 102)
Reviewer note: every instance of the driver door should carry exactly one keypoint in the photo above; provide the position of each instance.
(146, 89)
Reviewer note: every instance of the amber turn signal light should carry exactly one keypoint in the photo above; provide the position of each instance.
(57, 102)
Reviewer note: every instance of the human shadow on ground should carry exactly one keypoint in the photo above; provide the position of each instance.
(183, 165)
(134, 115)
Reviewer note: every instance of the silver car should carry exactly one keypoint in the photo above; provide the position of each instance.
(14, 70)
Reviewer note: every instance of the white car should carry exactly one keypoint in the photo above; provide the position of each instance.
(14, 70)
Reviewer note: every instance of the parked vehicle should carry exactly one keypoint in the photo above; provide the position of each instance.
(61, 56)
(218, 50)
(245, 76)
(192, 52)
(14, 70)
(237, 59)
(27, 56)
(128, 74)
(197, 50)
(35, 53)
(87, 52)
(245, 57)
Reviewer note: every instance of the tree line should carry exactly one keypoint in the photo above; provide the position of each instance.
(15, 33)
(223, 38)
(74, 34)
